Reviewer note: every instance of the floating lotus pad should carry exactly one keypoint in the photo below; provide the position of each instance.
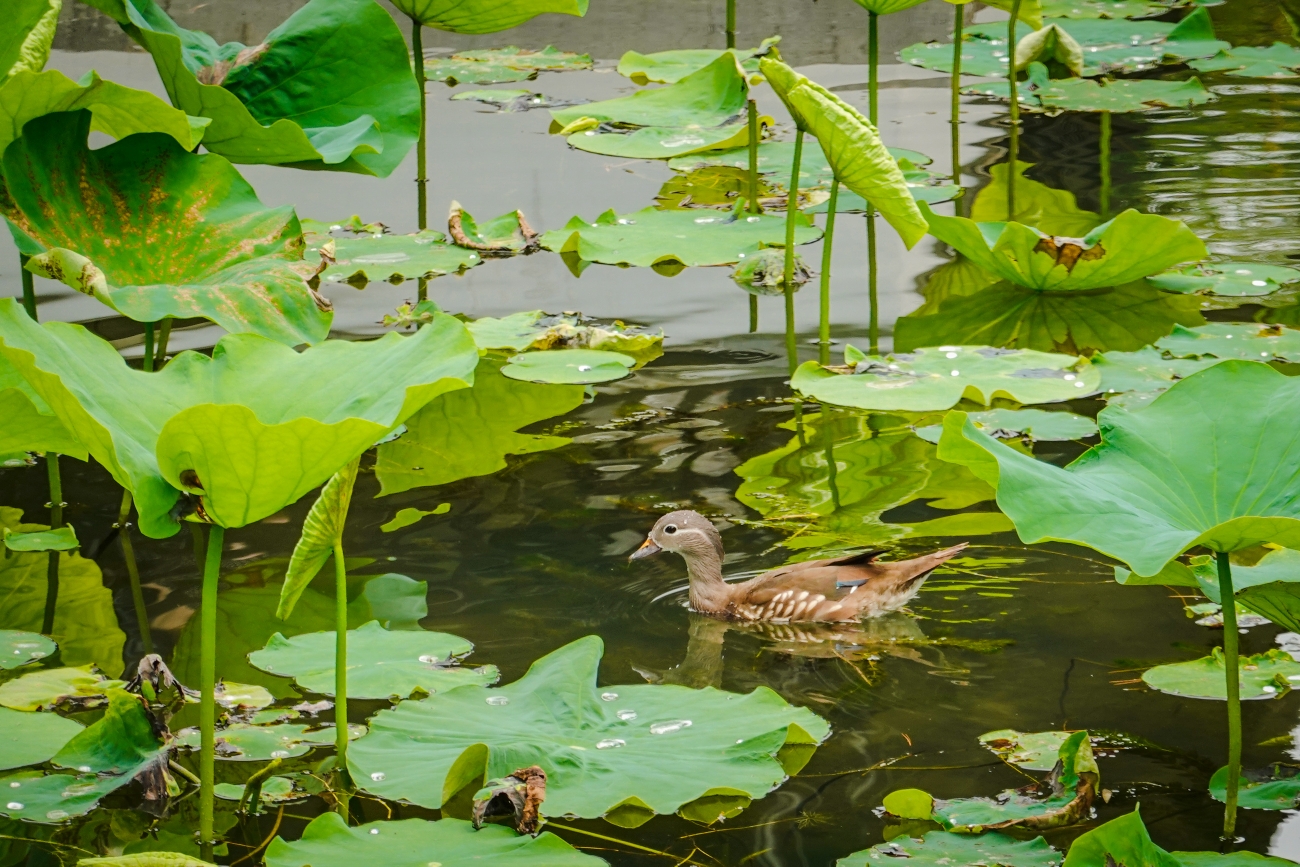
(330, 88)
(242, 742)
(569, 366)
(1134, 378)
(644, 748)
(1245, 340)
(1264, 675)
(1105, 8)
(328, 842)
(1127, 248)
(1033, 751)
(503, 236)
(1275, 787)
(1226, 278)
(1125, 841)
(535, 329)
(943, 849)
(1084, 94)
(501, 65)
(51, 687)
(276, 790)
(937, 378)
(49, 799)
(62, 539)
(1032, 424)
(32, 738)
(510, 101)
(1278, 60)
(667, 67)
(312, 411)
(392, 258)
(381, 664)
(95, 220)
(18, 648)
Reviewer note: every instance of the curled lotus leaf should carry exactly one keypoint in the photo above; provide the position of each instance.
(201, 423)
(1226, 278)
(484, 16)
(1120, 841)
(1035, 425)
(1085, 94)
(17, 648)
(122, 741)
(329, 842)
(321, 537)
(1050, 44)
(390, 258)
(764, 273)
(26, 33)
(941, 849)
(1127, 248)
(569, 366)
(1244, 340)
(1273, 787)
(937, 378)
(244, 742)
(1264, 675)
(639, 748)
(505, 235)
(32, 737)
(329, 88)
(1278, 60)
(96, 219)
(381, 664)
(667, 67)
(1181, 471)
(1270, 588)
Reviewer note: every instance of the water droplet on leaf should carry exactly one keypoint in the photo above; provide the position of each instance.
(667, 728)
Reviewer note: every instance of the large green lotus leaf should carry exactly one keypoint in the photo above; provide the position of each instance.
(709, 97)
(667, 67)
(1104, 8)
(30, 425)
(48, 688)
(568, 366)
(85, 622)
(1182, 471)
(454, 71)
(1032, 424)
(329, 842)
(484, 16)
(1226, 278)
(879, 465)
(104, 215)
(1084, 94)
(1245, 340)
(249, 430)
(1127, 248)
(18, 648)
(470, 432)
(26, 33)
(1264, 675)
(1278, 60)
(942, 849)
(1100, 320)
(242, 742)
(122, 741)
(49, 799)
(393, 258)
(381, 664)
(853, 149)
(1051, 211)
(1134, 378)
(535, 329)
(937, 378)
(330, 88)
(1120, 841)
(32, 738)
(651, 237)
(651, 747)
(1276, 787)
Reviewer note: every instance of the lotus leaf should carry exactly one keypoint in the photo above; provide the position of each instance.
(62, 539)
(568, 366)
(935, 379)
(673, 239)
(1226, 278)
(763, 273)
(909, 804)
(1265, 675)
(1030, 11)
(922, 186)
(667, 67)
(486, 17)
(276, 790)
(1083, 94)
(32, 738)
(470, 432)
(879, 465)
(1276, 61)
(1249, 341)
(941, 849)
(508, 101)
(887, 7)
(498, 65)
(241, 742)
(150, 858)
(659, 142)
(101, 216)
(122, 741)
(330, 88)
(381, 664)
(1051, 211)
(682, 744)
(1127, 248)
(1133, 378)
(49, 799)
(1123, 318)
(1241, 858)
(301, 415)
(241, 696)
(1270, 588)
(1179, 472)
(409, 517)
(1276, 787)
(1120, 841)
(534, 329)
(26, 33)
(1033, 751)
(1105, 8)
(853, 149)
(29, 425)
(506, 235)
(393, 258)
(329, 842)
(454, 71)
(17, 648)
(1031, 424)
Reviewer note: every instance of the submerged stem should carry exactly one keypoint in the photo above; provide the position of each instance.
(421, 152)
(1233, 677)
(824, 324)
(1104, 165)
(754, 206)
(56, 521)
(29, 286)
(207, 687)
(133, 571)
(791, 215)
(341, 671)
(1014, 144)
(731, 23)
(958, 23)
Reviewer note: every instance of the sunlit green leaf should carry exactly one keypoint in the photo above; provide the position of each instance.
(1051, 211)
(568, 366)
(666, 67)
(17, 648)
(62, 539)
(322, 532)
(1275, 787)
(1278, 60)
(122, 741)
(1120, 841)
(1031, 424)
(942, 849)
(408, 517)
(26, 33)
(1245, 340)
(32, 738)
(1264, 675)
(484, 16)
(1133, 378)
(1226, 278)
(50, 799)
(29, 425)
(391, 258)
(1033, 751)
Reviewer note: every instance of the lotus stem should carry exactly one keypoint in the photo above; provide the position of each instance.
(787, 278)
(753, 314)
(1233, 675)
(873, 326)
(824, 324)
(832, 468)
(147, 357)
(207, 687)
(873, 64)
(164, 337)
(29, 286)
(754, 206)
(1013, 148)
(422, 291)
(56, 521)
(731, 23)
(958, 24)
(421, 147)
(133, 571)
(873, 114)
(1104, 160)
(341, 673)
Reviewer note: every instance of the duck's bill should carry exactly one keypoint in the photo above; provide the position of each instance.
(648, 549)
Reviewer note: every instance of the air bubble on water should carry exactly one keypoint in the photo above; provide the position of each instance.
(14, 805)
(626, 715)
(378, 776)
(609, 696)
(279, 754)
(497, 700)
(56, 815)
(428, 659)
(667, 728)
(610, 743)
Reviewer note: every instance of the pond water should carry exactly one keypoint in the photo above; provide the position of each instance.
(535, 555)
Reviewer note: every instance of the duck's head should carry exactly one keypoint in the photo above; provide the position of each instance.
(683, 532)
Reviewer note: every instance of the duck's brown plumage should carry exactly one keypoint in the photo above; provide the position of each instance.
(837, 589)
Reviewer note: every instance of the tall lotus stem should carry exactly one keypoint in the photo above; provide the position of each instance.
(29, 286)
(754, 206)
(873, 64)
(207, 687)
(133, 571)
(731, 23)
(341, 672)
(56, 521)
(873, 114)
(164, 336)
(147, 357)
(873, 326)
(1013, 148)
(958, 23)
(824, 323)
(1104, 160)
(791, 215)
(421, 148)
(753, 314)
(1233, 676)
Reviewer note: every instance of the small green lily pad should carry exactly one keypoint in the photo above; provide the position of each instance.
(50, 687)
(49, 799)
(1105, 8)
(1033, 751)
(1134, 378)
(243, 696)
(500, 65)
(1245, 340)
(1226, 278)
(31, 738)
(1036, 425)
(573, 366)
(62, 539)
(1248, 61)
(943, 849)
(275, 790)
(242, 742)
(909, 804)
(1264, 675)
(407, 517)
(535, 329)
(763, 273)
(1085, 94)
(381, 664)
(392, 258)
(1275, 787)
(19, 648)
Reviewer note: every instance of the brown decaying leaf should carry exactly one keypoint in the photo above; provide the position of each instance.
(1067, 251)
(520, 793)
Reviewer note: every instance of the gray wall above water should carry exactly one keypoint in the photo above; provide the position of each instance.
(812, 31)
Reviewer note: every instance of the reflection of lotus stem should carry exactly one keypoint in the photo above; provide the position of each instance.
(1014, 146)
(56, 521)
(827, 422)
(956, 96)
(731, 23)
(787, 279)
(133, 571)
(207, 686)
(754, 206)
(873, 327)
(1105, 165)
(753, 313)
(1233, 674)
(421, 148)
(164, 336)
(29, 285)
(341, 674)
(824, 325)
(147, 357)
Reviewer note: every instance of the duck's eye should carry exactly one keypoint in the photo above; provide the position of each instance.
(670, 529)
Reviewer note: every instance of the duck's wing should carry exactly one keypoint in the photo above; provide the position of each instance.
(861, 558)
(894, 575)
